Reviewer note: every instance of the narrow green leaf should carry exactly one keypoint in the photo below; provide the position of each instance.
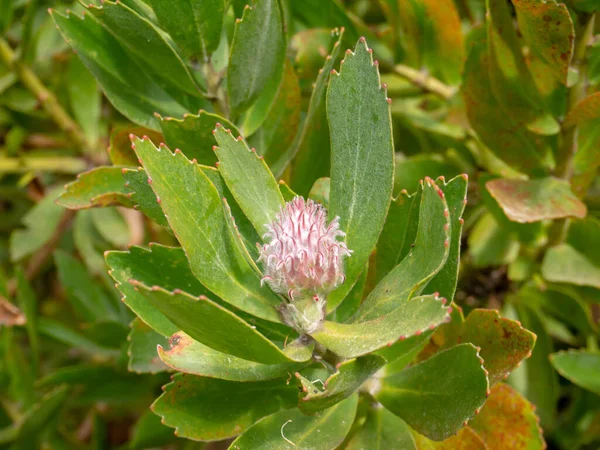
(187, 355)
(382, 431)
(193, 134)
(547, 29)
(490, 244)
(412, 317)
(534, 200)
(580, 367)
(213, 325)
(362, 159)
(437, 396)
(342, 384)
(199, 222)
(248, 178)
(426, 258)
(85, 99)
(509, 419)
(101, 186)
(564, 264)
(194, 26)
(143, 341)
(208, 409)
(260, 32)
(586, 116)
(292, 429)
(28, 304)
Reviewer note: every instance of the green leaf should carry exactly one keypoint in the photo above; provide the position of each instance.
(534, 200)
(564, 264)
(40, 222)
(260, 32)
(437, 396)
(512, 143)
(219, 328)
(193, 134)
(194, 26)
(85, 99)
(412, 317)
(28, 304)
(143, 341)
(187, 355)
(101, 186)
(382, 431)
(509, 419)
(142, 196)
(410, 171)
(149, 432)
(311, 150)
(119, 149)
(490, 244)
(287, 430)
(199, 223)
(319, 192)
(137, 98)
(580, 367)
(342, 384)
(465, 439)
(248, 178)
(510, 78)
(142, 39)
(362, 159)
(111, 225)
(547, 29)
(208, 409)
(455, 192)
(586, 116)
(426, 258)
(503, 343)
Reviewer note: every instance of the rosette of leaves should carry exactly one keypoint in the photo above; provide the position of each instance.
(390, 361)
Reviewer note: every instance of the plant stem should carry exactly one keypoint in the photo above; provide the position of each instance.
(564, 167)
(424, 81)
(46, 98)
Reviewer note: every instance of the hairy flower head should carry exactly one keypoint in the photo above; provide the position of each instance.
(302, 254)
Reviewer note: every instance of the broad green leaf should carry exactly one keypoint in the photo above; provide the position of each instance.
(193, 134)
(580, 367)
(401, 353)
(510, 79)
(311, 150)
(437, 396)
(490, 244)
(85, 99)
(278, 131)
(137, 98)
(149, 432)
(512, 143)
(362, 159)
(410, 171)
(148, 45)
(412, 317)
(508, 420)
(350, 376)
(143, 341)
(199, 223)
(29, 305)
(208, 409)
(455, 192)
(465, 439)
(142, 196)
(584, 236)
(40, 222)
(319, 192)
(214, 326)
(427, 256)
(586, 116)
(382, 431)
(194, 26)
(101, 186)
(534, 200)
(503, 343)
(353, 300)
(292, 429)
(564, 264)
(187, 355)
(257, 54)
(547, 29)
(433, 37)
(248, 178)
(88, 299)
(111, 225)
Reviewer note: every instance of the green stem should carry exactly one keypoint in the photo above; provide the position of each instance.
(46, 98)
(424, 81)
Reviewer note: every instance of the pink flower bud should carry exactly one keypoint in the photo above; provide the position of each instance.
(302, 255)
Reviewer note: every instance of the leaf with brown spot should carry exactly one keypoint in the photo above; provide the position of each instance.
(508, 421)
(534, 200)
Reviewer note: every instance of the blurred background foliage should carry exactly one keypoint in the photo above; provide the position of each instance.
(469, 95)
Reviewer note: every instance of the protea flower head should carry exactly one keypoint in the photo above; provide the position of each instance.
(302, 254)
